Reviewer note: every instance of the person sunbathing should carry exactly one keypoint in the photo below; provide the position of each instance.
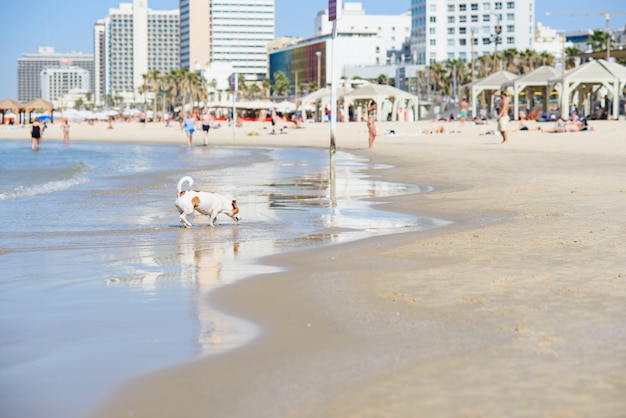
(576, 126)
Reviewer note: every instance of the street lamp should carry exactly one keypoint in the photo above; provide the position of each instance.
(319, 69)
(473, 38)
(496, 40)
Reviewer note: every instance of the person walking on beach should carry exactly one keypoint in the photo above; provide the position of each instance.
(371, 127)
(206, 125)
(65, 126)
(190, 127)
(503, 117)
(36, 131)
(463, 111)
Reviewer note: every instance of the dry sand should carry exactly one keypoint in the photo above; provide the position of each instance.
(515, 310)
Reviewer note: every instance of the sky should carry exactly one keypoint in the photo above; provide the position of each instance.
(67, 25)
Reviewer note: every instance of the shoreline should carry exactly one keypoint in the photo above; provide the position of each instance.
(513, 310)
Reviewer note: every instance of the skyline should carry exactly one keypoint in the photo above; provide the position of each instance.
(62, 31)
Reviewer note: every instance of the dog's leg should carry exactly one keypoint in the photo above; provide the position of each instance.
(183, 217)
(212, 218)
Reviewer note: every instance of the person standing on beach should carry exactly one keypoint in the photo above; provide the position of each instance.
(190, 127)
(65, 126)
(503, 117)
(371, 127)
(206, 125)
(463, 111)
(36, 131)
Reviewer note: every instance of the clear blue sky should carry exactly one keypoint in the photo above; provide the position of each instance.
(67, 25)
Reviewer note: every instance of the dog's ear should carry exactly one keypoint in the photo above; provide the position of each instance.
(235, 208)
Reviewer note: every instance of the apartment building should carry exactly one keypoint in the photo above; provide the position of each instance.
(454, 29)
(56, 82)
(229, 31)
(30, 67)
(131, 41)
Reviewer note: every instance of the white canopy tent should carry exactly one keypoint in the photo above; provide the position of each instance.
(489, 84)
(536, 80)
(387, 99)
(587, 79)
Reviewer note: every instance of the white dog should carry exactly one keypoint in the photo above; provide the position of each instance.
(206, 203)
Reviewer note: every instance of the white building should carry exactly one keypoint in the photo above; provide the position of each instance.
(393, 30)
(231, 31)
(131, 41)
(444, 31)
(56, 82)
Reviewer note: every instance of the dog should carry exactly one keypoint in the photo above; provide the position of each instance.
(206, 203)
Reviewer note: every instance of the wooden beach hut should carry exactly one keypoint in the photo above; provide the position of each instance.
(14, 106)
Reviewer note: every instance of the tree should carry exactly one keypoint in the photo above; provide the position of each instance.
(281, 83)
(597, 40)
(510, 56)
(570, 61)
(381, 79)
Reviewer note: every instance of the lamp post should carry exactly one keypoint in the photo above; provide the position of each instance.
(473, 31)
(319, 69)
(496, 39)
(564, 94)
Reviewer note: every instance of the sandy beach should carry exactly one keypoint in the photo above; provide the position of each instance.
(516, 309)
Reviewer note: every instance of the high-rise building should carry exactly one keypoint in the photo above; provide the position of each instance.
(132, 41)
(56, 82)
(393, 30)
(232, 31)
(442, 31)
(30, 66)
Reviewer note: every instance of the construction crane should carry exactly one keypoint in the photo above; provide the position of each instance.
(607, 16)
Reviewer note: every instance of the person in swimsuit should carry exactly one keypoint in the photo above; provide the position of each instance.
(190, 127)
(503, 117)
(206, 125)
(371, 118)
(35, 134)
(463, 112)
(66, 132)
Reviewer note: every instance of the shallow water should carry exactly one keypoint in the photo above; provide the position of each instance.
(99, 280)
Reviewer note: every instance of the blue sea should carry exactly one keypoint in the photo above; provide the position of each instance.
(101, 283)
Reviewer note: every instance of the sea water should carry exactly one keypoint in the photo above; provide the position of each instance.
(98, 280)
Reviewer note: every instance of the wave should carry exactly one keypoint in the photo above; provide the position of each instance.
(72, 176)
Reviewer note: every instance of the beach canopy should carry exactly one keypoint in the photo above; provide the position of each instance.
(39, 104)
(12, 105)
(381, 93)
(536, 80)
(588, 78)
(489, 85)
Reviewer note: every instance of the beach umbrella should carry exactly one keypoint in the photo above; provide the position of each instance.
(45, 118)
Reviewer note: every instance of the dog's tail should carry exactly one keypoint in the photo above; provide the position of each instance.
(182, 181)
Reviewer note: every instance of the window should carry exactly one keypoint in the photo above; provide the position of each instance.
(498, 5)
(451, 7)
(450, 42)
(474, 6)
(510, 40)
(486, 41)
(510, 16)
(462, 7)
(432, 31)
(510, 28)
(450, 19)
(433, 19)
(510, 5)
(462, 19)
(450, 31)
(474, 18)
(462, 30)
(432, 42)
(462, 42)
(486, 18)
(486, 29)
(450, 56)
(486, 6)
(433, 7)
(463, 55)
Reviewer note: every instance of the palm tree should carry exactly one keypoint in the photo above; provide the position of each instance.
(381, 79)
(598, 40)
(437, 75)
(241, 85)
(281, 83)
(527, 61)
(546, 58)
(510, 56)
(267, 86)
(570, 60)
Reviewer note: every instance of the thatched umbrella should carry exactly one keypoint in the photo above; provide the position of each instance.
(15, 106)
(39, 104)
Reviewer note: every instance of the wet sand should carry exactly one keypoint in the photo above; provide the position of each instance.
(516, 309)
